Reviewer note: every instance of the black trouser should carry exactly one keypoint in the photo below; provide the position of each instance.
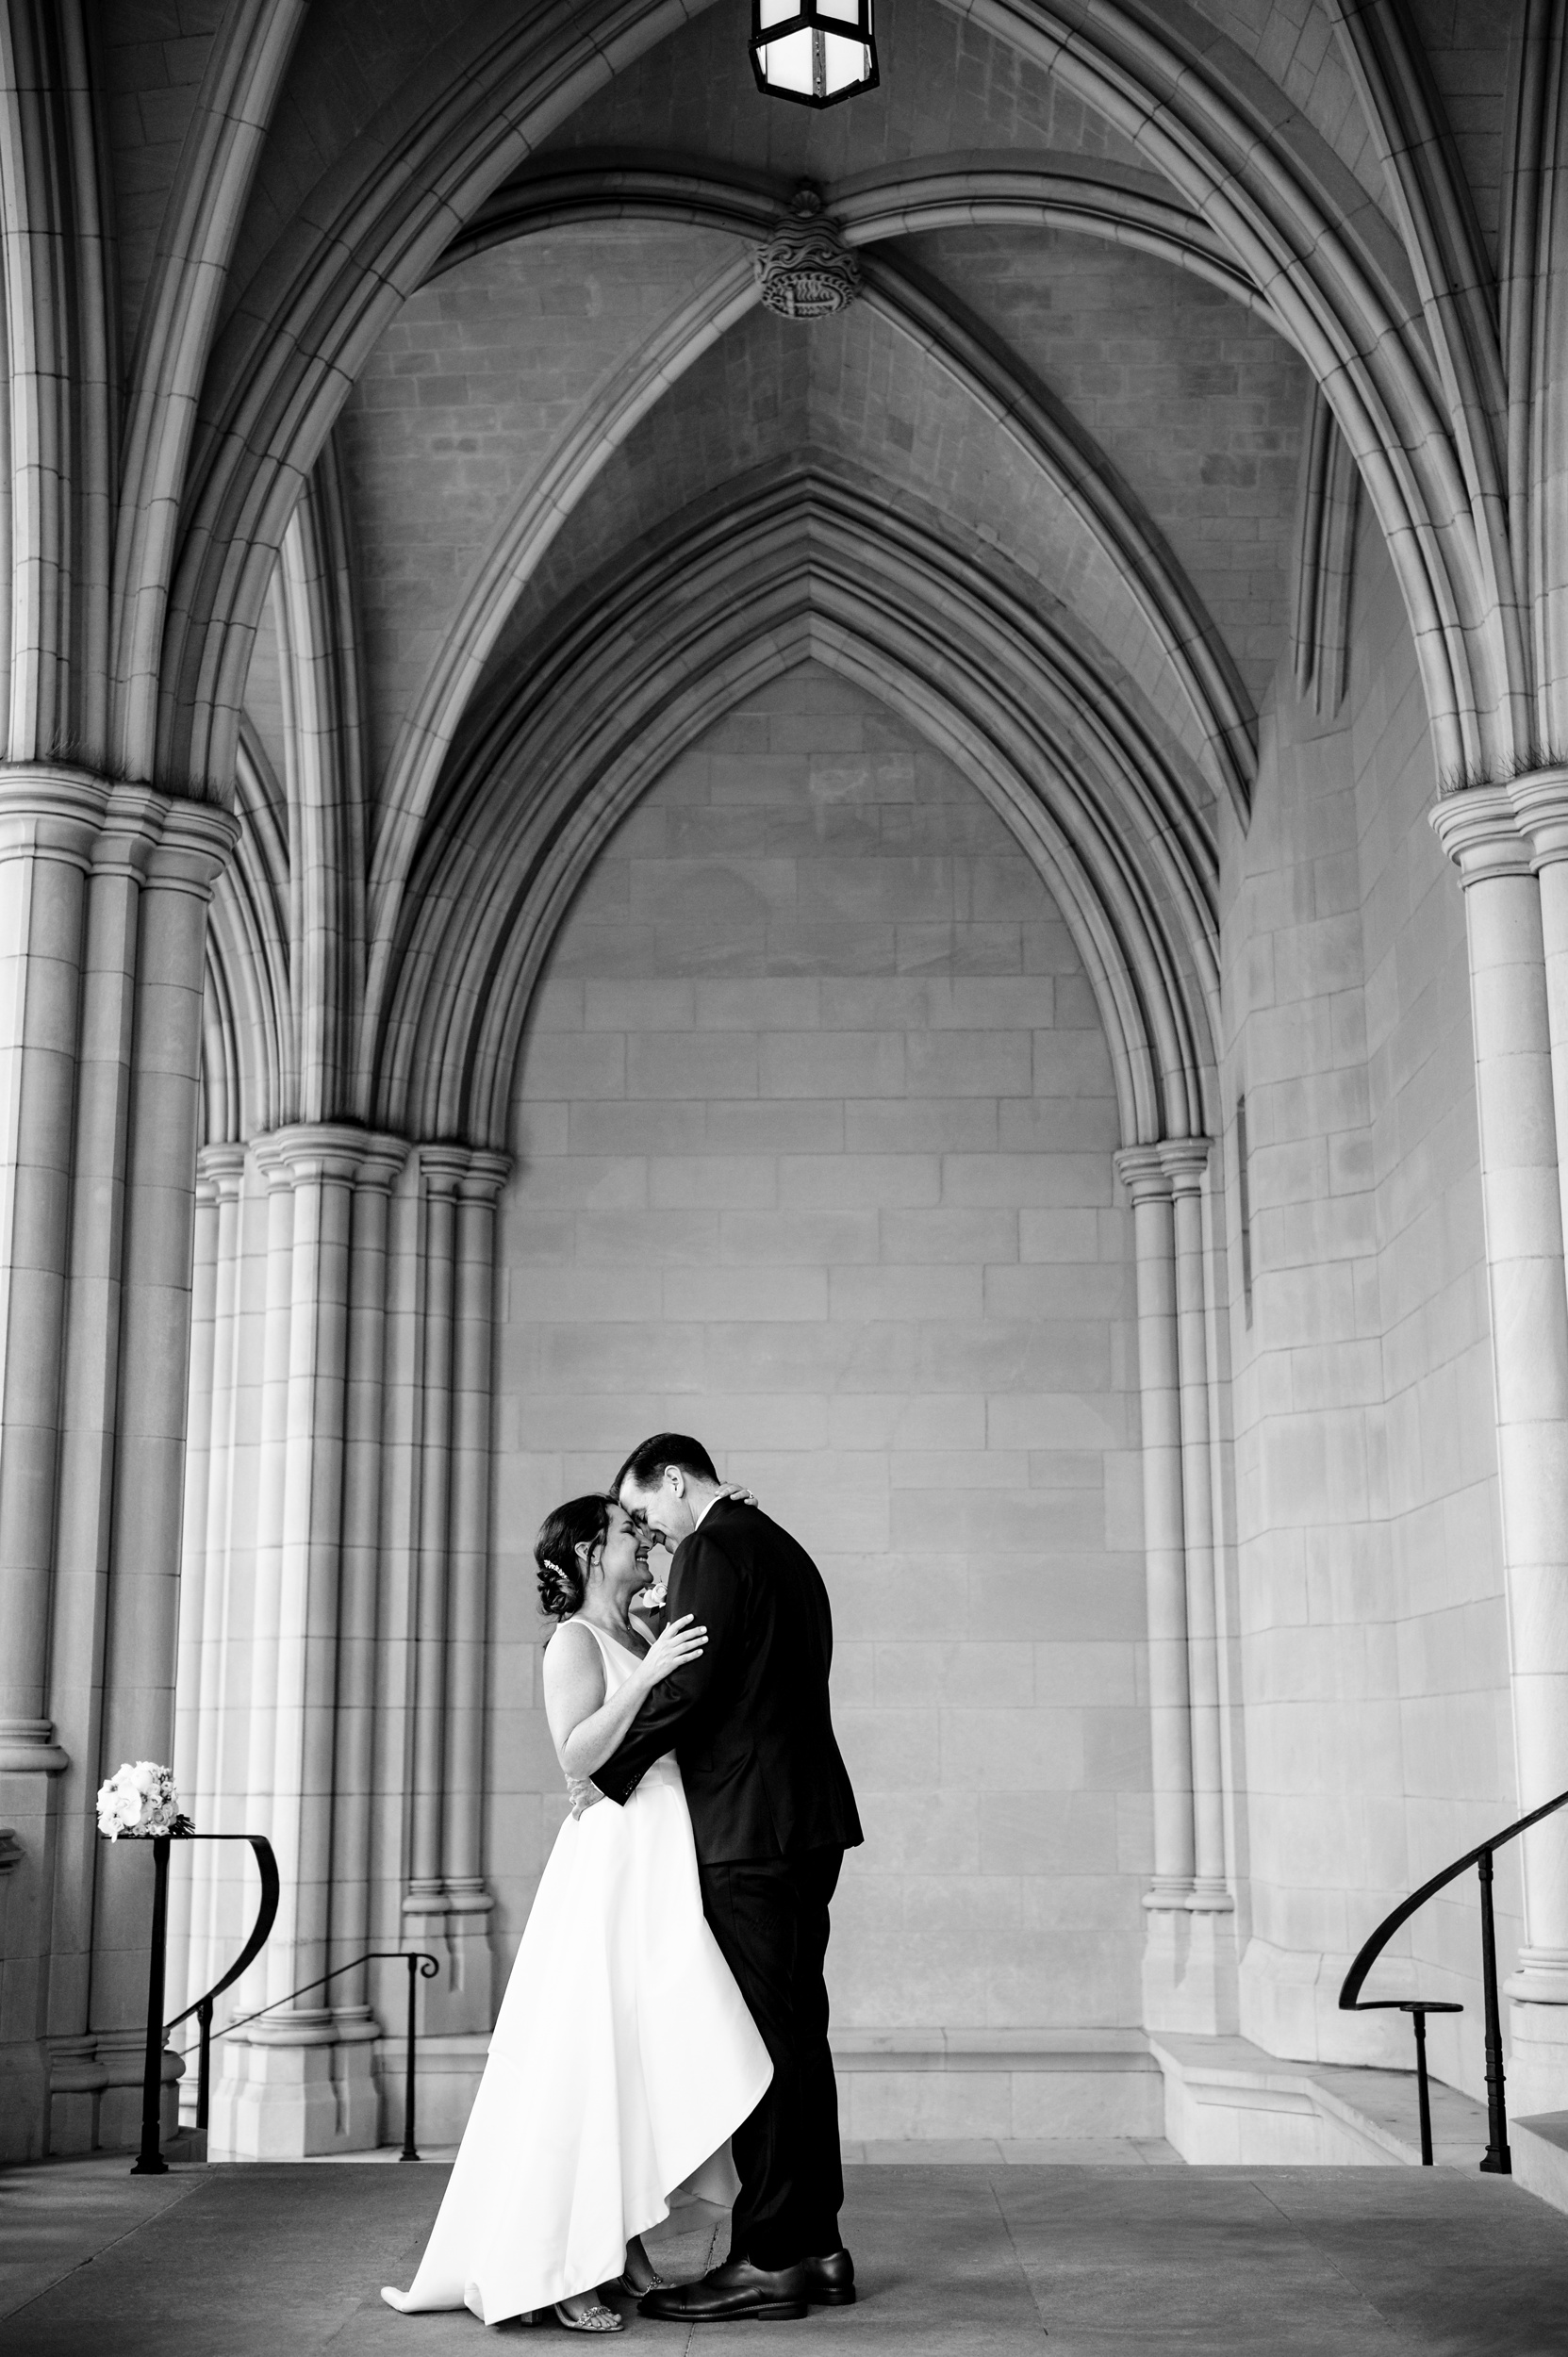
(770, 1917)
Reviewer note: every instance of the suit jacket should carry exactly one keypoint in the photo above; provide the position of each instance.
(747, 1720)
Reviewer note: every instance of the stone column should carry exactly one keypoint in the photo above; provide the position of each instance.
(468, 1900)
(294, 2083)
(48, 826)
(193, 1596)
(1149, 1183)
(222, 1171)
(442, 1170)
(1184, 1162)
(133, 823)
(355, 1770)
(1482, 831)
(143, 1600)
(269, 1979)
(1208, 1993)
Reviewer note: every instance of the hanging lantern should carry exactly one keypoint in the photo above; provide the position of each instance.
(814, 51)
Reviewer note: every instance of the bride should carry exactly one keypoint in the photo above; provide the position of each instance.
(623, 2056)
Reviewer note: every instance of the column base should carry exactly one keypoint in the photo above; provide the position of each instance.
(120, 2056)
(23, 2101)
(454, 1925)
(76, 2084)
(1190, 1970)
(1540, 1977)
(1536, 2064)
(285, 2095)
(447, 2071)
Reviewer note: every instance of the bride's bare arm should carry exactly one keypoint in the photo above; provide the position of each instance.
(585, 1728)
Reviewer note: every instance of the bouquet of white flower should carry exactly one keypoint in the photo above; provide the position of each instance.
(140, 1802)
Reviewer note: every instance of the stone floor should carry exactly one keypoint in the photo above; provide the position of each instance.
(1103, 2261)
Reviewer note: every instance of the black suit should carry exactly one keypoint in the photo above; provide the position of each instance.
(771, 1815)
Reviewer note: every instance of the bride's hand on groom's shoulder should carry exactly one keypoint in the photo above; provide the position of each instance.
(738, 1492)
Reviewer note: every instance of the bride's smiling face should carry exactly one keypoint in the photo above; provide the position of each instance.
(622, 1562)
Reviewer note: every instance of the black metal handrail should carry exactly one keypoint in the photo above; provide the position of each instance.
(149, 2161)
(421, 1965)
(266, 1915)
(1498, 2160)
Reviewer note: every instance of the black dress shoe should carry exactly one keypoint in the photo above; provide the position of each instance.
(830, 2282)
(730, 2294)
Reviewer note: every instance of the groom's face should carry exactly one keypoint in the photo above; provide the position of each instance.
(664, 1509)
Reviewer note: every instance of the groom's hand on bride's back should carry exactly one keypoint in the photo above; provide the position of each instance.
(582, 1793)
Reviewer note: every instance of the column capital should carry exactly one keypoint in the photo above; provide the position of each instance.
(1540, 803)
(443, 1168)
(385, 1159)
(474, 1172)
(332, 1149)
(487, 1174)
(132, 826)
(1143, 1173)
(1184, 1162)
(220, 1169)
(49, 810)
(193, 848)
(1479, 830)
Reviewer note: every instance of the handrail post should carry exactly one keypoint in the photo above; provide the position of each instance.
(1498, 2161)
(150, 2162)
(1424, 2096)
(409, 2152)
(203, 2078)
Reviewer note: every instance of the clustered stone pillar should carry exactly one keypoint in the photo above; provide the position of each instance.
(448, 1904)
(1189, 1960)
(297, 1422)
(104, 891)
(469, 1901)
(1510, 845)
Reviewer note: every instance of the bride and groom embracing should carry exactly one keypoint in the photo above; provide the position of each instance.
(666, 2009)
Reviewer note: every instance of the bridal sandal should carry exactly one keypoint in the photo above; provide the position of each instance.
(595, 2319)
(656, 2282)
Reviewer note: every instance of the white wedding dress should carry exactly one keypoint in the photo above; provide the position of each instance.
(622, 2060)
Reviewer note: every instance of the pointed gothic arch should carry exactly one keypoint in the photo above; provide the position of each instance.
(807, 566)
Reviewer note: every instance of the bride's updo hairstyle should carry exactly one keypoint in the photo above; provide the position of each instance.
(563, 1583)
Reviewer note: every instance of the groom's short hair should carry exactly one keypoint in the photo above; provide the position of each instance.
(647, 1463)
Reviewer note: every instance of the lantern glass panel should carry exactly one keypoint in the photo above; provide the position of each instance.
(789, 63)
(814, 50)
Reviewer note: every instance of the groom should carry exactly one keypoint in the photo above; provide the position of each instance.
(771, 1815)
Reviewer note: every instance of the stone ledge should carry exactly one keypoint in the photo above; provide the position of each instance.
(1000, 2087)
(1540, 2149)
(992, 2049)
(1231, 2104)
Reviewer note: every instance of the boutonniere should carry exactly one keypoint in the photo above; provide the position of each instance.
(652, 1598)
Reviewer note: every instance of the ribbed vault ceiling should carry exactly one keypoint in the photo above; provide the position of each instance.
(491, 304)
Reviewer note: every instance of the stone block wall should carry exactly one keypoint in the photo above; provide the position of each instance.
(814, 1134)
(1368, 1588)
